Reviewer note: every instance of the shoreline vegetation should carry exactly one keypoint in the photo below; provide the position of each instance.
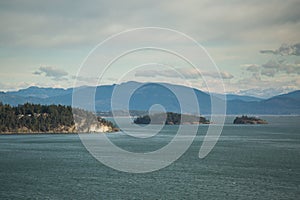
(36, 118)
(171, 118)
(59, 119)
(244, 119)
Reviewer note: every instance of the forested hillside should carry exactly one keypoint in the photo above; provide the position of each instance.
(170, 118)
(36, 118)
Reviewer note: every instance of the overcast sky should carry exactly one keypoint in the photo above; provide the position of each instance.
(255, 44)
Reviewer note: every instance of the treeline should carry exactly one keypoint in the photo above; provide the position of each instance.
(244, 119)
(34, 117)
(170, 118)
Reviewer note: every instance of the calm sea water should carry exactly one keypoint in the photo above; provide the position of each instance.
(248, 162)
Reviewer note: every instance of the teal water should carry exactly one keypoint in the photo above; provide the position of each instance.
(248, 162)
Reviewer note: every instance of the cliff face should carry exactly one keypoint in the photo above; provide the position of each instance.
(95, 128)
(87, 122)
(99, 128)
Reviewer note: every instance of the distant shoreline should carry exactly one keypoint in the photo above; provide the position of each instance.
(51, 133)
(269, 115)
(231, 115)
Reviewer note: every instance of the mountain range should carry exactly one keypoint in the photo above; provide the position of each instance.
(149, 94)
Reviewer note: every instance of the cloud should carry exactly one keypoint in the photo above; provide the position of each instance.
(265, 92)
(265, 87)
(285, 50)
(156, 73)
(252, 67)
(224, 75)
(231, 31)
(6, 86)
(52, 72)
(83, 79)
(281, 67)
(273, 67)
(267, 51)
(69, 22)
(271, 64)
(181, 73)
(268, 72)
(37, 73)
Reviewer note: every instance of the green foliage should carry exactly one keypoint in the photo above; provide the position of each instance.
(170, 118)
(34, 117)
(244, 119)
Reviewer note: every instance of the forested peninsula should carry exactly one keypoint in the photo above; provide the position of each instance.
(36, 118)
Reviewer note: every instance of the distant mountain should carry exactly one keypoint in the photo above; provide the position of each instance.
(38, 92)
(264, 93)
(231, 97)
(153, 93)
(14, 99)
(147, 95)
(292, 95)
(282, 104)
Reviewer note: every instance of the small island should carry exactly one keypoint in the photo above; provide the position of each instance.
(248, 120)
(170, 118)
(36, 118)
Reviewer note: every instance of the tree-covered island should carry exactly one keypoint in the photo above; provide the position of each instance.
(170, 118)
(248, 120)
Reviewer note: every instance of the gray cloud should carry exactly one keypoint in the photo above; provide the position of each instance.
(68, 22)
(228, 29)
(292, 69)
(267, 51)
(184, 73)
(272, 67)
(265, 93)
(268, 72)
(224, 75)
(252, 68)
(6, 86)
(264, 88)
(37, 73)
(52, 72)
(82, 78)
(285, 50)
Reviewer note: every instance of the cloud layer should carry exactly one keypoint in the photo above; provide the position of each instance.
(52, 72)
(278, 65)
(63, 32)
(285, 50)
(182, 73)
(67, 23)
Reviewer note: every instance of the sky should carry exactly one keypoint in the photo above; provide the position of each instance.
(255, 44)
